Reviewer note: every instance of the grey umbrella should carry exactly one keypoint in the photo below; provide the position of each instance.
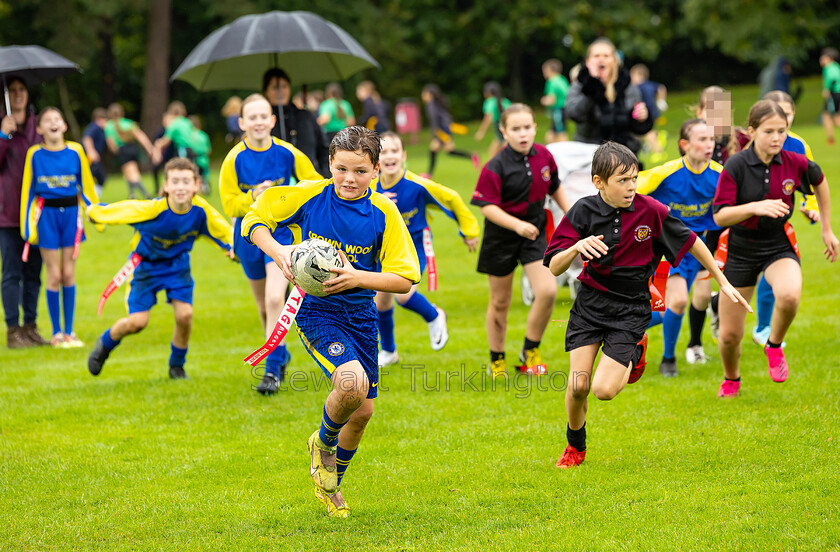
(33, 64)
(307, 47)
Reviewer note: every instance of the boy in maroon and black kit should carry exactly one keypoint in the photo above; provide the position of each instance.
(622, 236)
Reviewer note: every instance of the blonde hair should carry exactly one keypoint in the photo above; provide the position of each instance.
(514, 108)
(609, 85)
(256, 97)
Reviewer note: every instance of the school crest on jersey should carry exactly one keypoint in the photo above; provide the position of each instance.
(642, 233)
(546, 173)
(335, 349)
(787, 186)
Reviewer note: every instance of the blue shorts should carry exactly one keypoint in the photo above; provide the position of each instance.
(251, 257)
(339, 334)
(149, 278)
(57, 227)
(688, 269)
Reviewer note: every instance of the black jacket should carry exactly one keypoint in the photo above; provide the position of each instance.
(303, 132)
(597, 119)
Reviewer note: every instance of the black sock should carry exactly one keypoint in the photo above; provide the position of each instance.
(666, 359)
(460, 153)
(733, 379)
(715, 300)
(577, 437)
(432, 160)
(495, 355)
(773, 345)
(637, 356)
(696, 319)
(530, 344)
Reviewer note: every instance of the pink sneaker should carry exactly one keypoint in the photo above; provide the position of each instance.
(729, 389)
(776, 364)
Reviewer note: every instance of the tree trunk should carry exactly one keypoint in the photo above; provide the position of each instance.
(515, 69)
(156, 85)
(108, 63)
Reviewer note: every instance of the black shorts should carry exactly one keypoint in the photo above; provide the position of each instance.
(127, 153)
(597, 317)
(749, 258)
(832, 104)
(98, 172)
(501, 250)
(711, 239)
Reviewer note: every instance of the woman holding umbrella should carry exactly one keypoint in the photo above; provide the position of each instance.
(294, 125)
(21, 283)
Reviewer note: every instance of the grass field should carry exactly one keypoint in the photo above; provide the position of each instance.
(133, 461)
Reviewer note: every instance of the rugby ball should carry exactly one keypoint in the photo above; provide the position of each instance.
(311, 263)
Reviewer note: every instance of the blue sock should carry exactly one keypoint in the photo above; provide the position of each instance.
(671, 324)
(386, 330)
(68, 296)
(655, 319)
(277, 360)
(764, 302)
(342, 461)
(419, 304)
(329, 430)
(108, 342)
(54, 306)
(178, 356)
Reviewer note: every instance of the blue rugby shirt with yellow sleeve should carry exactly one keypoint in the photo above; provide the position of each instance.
(797, 144)
(245, 168)
(53, 174)
(414, 195)
(369, 230)
(688, 193)
(162, 233)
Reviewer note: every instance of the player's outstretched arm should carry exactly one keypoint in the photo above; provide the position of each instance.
(349, 277)
(823, 197)
(702, 254)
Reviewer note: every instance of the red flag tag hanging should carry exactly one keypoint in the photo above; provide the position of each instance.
(281, 328)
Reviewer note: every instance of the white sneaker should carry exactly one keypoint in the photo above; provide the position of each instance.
(438, 333)
(696, 355)
(527, 292)
(387, 358)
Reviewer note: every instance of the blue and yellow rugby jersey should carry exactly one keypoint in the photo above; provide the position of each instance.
(687, 193)
(245, 168)
(53, 174)
(797, 144)
(369, 230)
(414, 194)
(161, 232)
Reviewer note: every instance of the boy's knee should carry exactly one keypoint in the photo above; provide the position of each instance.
(580, 386)
(137, 324)
(730, 338)
(604, 392)
(184, 317)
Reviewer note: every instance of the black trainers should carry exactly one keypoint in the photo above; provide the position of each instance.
(269, 384)
(668, 367)
(97, 357)
(177, 372)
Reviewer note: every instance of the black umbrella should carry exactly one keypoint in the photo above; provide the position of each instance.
(33, 64)
(306, 46)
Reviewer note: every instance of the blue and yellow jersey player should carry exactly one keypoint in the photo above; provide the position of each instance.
(413, 195)
(56, 180)
(165, 230)
(339, 330)
(687, 186)
(254, 165)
